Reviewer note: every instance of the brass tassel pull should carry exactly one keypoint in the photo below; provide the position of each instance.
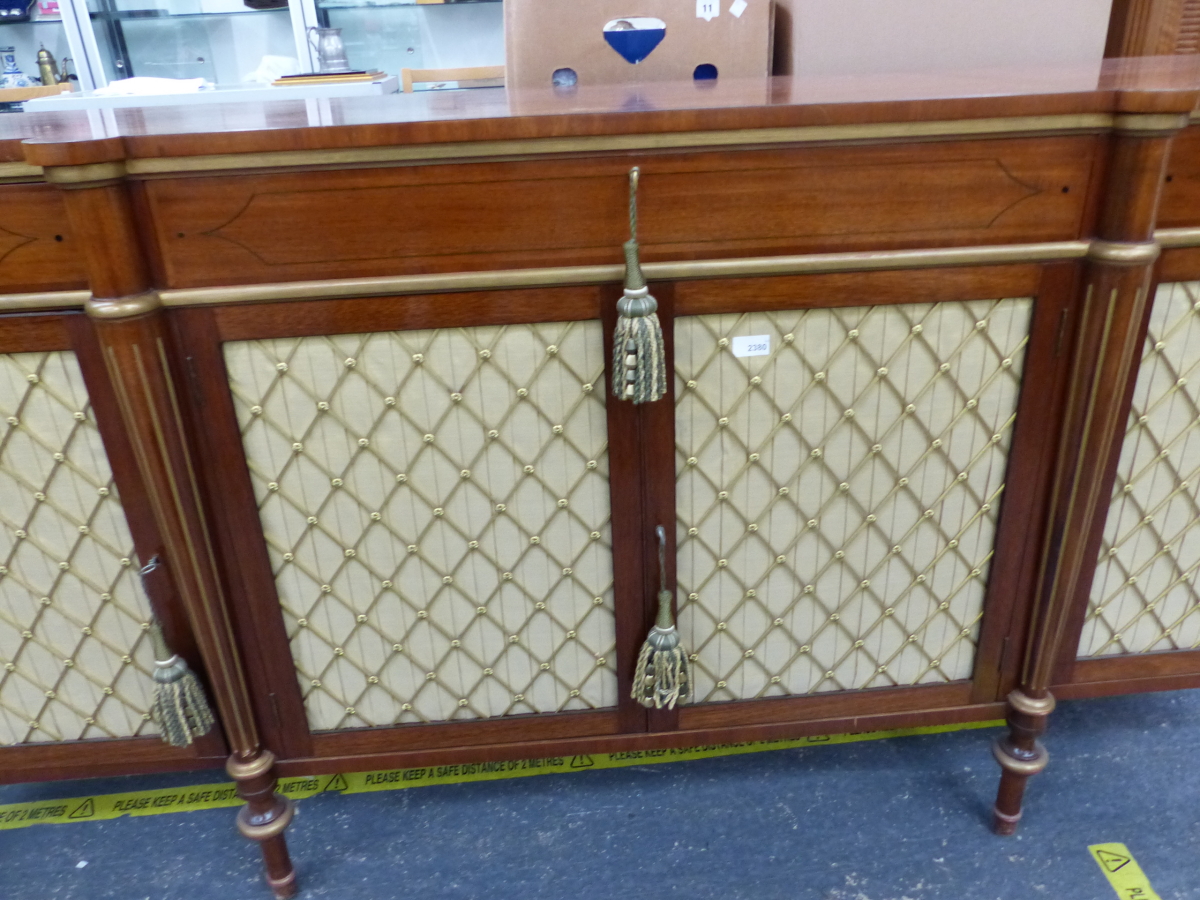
(180, 707)
(663, 674)
(639, 370)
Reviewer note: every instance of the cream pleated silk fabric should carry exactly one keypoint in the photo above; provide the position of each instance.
(436, 508)
(838, 497)
(76, 655)
(1144, 595)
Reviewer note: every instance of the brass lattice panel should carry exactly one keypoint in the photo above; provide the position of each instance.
(837, 498)
(76, 657)
(1144, 595)
(436, 508)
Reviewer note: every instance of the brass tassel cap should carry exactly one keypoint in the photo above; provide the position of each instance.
(639, 359)
(179, 707)
(663, 674)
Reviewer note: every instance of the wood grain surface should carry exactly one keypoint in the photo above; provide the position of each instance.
(37, 251)
(700, 205)
(1147, 84)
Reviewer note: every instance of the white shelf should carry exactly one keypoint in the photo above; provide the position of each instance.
(235, 93)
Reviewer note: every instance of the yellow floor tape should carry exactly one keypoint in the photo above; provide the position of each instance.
(216, 796)
(1123, 872)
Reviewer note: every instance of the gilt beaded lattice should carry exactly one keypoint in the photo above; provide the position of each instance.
(838, 495)
(77, 659)
(435, 505)
(1144, 596)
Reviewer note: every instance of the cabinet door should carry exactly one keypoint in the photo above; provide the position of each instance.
(76, 686)
(425, 515)
(1143, 608)
(848, 513)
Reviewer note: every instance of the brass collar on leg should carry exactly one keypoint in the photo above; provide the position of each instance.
(1023, 703)
(1025, 767)
(244, 770)
(273, 827)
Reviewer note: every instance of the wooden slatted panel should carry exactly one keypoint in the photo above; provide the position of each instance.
(1188, 38)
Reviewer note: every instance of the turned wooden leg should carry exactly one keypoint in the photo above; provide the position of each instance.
(1020, 755)
(265, 817)
(135, 342)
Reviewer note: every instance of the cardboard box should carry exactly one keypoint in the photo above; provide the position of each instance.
(545, 36)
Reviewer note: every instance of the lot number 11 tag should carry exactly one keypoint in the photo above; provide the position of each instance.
(752, 345)
(708, 9)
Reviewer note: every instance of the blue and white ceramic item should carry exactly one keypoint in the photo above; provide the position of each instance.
(635, 37)
(12, 76)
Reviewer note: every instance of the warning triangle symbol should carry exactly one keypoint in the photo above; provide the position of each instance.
(84, 810)
(581, 762)
(1111, 861)
(337, 783)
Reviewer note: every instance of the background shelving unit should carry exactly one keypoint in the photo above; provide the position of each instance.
(226, 41)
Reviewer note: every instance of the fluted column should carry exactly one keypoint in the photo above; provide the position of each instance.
(130, 326)
(1112, 305)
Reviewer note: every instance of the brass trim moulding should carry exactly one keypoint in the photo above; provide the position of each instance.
(339, 288)
(416, 153)
(44, 300)
(1117, 253)
(1177, 237)
(123, 307)
(808, 264)
(89, 175)
(16, 172)
(1153, 123)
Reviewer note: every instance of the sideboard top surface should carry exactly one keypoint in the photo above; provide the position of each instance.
(1149, 84)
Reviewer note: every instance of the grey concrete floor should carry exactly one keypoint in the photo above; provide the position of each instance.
(901, 819)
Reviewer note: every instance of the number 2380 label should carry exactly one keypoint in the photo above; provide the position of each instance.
(752, 345)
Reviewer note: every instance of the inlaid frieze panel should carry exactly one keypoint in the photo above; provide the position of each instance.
(699, 204)
(73, 643)
(840, 473)
(37, 252)
(435, 506)
(1144, 596)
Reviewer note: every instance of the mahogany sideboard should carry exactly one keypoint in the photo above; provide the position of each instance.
(341, 368)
